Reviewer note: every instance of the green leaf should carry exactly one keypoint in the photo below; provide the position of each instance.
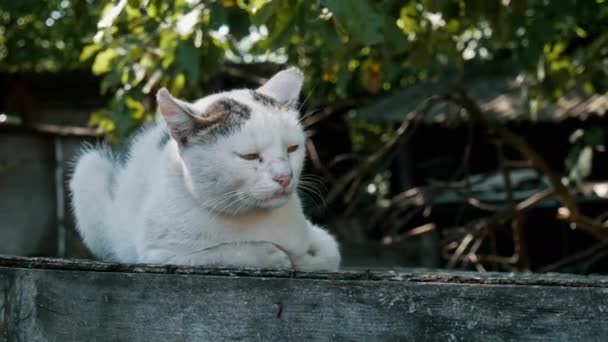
(580, 32)
(111, 13)
(363, 23)
(103, 61)
(239, 23)
(408, 19)
(110, 80)
(393, 37)
(178, 83)
(264, 14)
(88, 51)
(281, 30)
(252, 6)
(420, 56)
(136, 107)
(218, 16)
(187, 58)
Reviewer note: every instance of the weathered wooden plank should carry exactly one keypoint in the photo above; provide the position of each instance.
(46, 299)
(27, 204)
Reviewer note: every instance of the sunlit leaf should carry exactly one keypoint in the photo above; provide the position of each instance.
(89, 51)
(580, 32)
(111, 14)
(136, 107)
(103, 61)
(178, 83)
(252, 6)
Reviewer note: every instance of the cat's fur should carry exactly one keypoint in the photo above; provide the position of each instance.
(187, 196)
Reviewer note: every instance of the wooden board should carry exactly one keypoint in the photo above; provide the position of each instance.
(27, 200)
(72, 300)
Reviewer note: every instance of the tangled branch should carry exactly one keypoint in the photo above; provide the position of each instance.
(464, 250)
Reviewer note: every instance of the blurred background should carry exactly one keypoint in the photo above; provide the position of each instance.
(443, 133)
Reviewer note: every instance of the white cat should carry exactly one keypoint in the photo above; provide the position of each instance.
(214, 183)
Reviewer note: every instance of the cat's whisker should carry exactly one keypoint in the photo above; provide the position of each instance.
(219, 199)
(230, 195)
(313, 201)
(242, 195)
(315, 198)
(315, 182)
(214, 200)
(312, 176)
(244, 204)
(309, 113)
(220, 211)
(228, 201)
(306, 99)
(314, 193)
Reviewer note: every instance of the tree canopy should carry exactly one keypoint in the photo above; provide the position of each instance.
(350, 50)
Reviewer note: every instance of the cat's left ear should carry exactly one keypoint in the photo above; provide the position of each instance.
(284, 86)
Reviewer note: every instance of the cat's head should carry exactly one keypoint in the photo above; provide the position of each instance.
(241, 149)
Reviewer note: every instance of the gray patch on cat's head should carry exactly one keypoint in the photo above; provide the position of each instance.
(266, 100)
(229, 116)
(164, 139)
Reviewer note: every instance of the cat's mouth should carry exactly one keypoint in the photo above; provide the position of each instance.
(276, 199)
(279, 195)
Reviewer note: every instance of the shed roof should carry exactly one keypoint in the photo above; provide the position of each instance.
(500, 97)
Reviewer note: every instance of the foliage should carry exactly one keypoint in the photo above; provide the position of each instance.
(45, 35)
(351, 51)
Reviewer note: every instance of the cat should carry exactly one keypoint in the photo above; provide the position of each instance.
(211, 183)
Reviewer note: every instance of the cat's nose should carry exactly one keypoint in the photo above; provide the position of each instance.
(283, 180)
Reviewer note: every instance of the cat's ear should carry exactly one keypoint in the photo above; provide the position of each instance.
(180, 118)
(284, 86)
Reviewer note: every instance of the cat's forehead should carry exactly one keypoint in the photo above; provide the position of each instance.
(233, 109)
(245, 97)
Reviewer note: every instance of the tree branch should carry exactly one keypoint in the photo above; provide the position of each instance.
(578, 220)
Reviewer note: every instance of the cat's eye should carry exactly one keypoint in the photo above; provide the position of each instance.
(250, 156)
(292, 148)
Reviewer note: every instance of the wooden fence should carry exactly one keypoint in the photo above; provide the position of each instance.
(34, 201)
(70, 300)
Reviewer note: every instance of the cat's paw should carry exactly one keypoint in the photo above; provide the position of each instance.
(323, 253)
(275, 258)
(318, 261)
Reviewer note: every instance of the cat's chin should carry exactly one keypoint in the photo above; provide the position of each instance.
(275, 201)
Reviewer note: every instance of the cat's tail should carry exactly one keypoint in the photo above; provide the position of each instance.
(91, 187)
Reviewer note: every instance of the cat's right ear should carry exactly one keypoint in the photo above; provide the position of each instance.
(176, 115)
(180, 118)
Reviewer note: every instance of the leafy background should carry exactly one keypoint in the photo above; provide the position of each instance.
(351, 51)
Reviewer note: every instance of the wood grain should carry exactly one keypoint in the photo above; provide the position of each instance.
(76, 300)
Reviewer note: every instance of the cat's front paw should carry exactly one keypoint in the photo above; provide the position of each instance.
(319, 261)
(276, 258)
(323, 253)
